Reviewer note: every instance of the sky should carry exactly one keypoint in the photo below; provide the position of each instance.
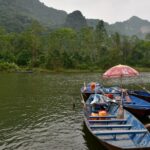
(110, 11)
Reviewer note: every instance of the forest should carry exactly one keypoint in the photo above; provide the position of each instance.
(65, 48)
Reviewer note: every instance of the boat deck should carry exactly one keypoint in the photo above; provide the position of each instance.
(117, 132)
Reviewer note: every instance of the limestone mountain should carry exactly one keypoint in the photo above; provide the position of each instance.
(75, 20)
(133, 26)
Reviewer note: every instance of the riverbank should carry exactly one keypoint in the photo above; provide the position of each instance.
(140, 69)
(12, 67)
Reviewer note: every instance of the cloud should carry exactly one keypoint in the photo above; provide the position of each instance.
(108, 10)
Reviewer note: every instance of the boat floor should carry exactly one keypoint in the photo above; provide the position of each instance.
(120, 141)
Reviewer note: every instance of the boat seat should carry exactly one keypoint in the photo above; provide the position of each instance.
(111, 126)
(107, 121)
(96, 117)
(114, 132)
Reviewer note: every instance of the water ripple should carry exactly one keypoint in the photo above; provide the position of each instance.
(37, 114)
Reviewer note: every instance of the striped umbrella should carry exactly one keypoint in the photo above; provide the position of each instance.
(120, 71)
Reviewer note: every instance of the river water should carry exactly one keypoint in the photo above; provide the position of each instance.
(36, 111)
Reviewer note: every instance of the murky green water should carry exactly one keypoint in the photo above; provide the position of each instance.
(36, 111)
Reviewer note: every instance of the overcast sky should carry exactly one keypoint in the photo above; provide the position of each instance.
(108, 10)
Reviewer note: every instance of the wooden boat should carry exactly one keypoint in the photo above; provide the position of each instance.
(87, 90)
(112, 132)
(140, 93)
(135, 105)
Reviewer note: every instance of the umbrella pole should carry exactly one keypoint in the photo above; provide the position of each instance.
(121, 110)
(121, 92)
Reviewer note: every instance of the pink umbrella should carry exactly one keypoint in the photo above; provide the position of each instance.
(120, 71)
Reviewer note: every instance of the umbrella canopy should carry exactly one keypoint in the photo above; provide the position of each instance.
(120, 71)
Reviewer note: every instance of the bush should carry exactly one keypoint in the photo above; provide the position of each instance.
(82, 66)
(5, 66)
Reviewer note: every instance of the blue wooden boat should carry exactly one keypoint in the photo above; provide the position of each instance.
(137, 106)
(111, 131)
(86, 90)
(140, 93)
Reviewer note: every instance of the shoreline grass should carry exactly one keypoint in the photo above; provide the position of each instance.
(11, 67)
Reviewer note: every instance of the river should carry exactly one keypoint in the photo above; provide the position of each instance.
(36, 111)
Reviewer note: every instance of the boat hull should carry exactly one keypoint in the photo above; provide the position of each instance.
(138, 112)
(137, 106)
(141, 95)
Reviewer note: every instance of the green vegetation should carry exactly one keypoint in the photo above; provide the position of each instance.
(65, 48)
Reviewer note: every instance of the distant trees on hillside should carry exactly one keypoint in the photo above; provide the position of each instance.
(70, 49)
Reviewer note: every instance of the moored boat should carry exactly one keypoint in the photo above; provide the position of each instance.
(140, 93)
(135, 105)
(109, 129)
(95, 87)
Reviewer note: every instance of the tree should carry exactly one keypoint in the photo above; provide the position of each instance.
(61, 42)
(34, 35)
(147, 36)
(115, 51)
(86, 43)
(28, 44)
(6, 49)
(101, 43)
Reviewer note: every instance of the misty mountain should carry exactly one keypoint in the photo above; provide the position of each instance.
(94, 22)
(133, 26)
(16, 15)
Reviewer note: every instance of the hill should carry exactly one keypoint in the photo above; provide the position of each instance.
(133, 26)
(75, 20)
(17, 14)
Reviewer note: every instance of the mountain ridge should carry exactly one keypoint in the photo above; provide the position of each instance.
(133, 26)
(18, 14)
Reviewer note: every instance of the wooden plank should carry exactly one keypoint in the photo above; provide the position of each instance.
(111, 126)
(114, 132)
(107, 121)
